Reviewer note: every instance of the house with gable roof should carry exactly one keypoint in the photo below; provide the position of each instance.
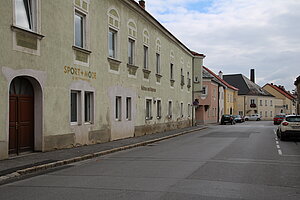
(285, 102)
(252, 99)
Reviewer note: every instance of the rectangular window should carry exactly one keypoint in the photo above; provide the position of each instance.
(181, 109)
(128, 108)
(266, 113)
(131, 51)
(260, 102)
(171, 72)
(88, 107)
(204, 91)
(145, 57)
(75, 106)
(271, 103)
(252, 101)
(25, 13)
(158, 104)
(170, 109)
(271, 114)
(266, 102)
(118, 108)
(79, 30)
(260, 113)
(112, 41)
(148, 109)
(157, 63)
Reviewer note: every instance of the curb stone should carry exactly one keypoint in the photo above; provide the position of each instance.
(89, 156)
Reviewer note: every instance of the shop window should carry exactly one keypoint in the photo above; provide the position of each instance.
(75, 106)
(128, 108)
(118, 108)
(88, 107)
(158, 113)
(148, 109)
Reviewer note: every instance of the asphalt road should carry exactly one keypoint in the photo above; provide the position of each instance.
(242, 161)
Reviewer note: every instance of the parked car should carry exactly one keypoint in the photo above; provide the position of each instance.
(238, 118)
(278, 118)
(227, 119)
(254, 117)
(289, 127)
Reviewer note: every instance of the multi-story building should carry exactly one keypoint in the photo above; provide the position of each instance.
(208, 110)
(252, 99)
(285, 102)
(297, 84)
(83, 72)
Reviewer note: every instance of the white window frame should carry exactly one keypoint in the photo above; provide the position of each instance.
(148, 109)
(78, 107)
(118, 108)
(158, 108)
(146, 57)
(131, 51)
(128, 108)
(114, 33)
(83, 16)
(90, 110)
(33, 17)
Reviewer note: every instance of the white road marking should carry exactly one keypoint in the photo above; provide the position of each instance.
(276, 139)
(278, 147)
(277, 142)
(279, 152)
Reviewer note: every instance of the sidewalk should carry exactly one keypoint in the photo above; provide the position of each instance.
(32, 162)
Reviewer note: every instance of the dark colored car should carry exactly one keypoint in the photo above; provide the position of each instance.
(227, 119)
(238, 118)
(278, 119)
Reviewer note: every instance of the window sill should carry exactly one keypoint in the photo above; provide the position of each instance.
(149, 118)
(159, 117)
(20, 29)
(113, 61)
(81, 50)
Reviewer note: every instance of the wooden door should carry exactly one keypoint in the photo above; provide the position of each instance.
(21, 117)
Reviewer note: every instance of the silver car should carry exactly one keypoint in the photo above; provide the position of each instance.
(289, 127)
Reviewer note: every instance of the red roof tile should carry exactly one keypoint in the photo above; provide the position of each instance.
(282, 91)
(224, 82)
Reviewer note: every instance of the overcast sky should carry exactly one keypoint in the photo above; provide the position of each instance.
(237, 35)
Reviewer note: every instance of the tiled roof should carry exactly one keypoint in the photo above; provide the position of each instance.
(282, 91)
(246, 87)
(221, 80)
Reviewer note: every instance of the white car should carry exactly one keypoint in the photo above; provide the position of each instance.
(289, 127)
(254, 117)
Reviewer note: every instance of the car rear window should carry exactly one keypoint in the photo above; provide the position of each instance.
(293, 119)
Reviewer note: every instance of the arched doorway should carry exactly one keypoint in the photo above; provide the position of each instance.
(21, 116)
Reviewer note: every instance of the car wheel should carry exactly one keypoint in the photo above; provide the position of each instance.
(258, 119)
(246, 119)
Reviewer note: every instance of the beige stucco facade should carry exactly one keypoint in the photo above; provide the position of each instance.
(230, 101)
(56, 67)
(262, 105)
(284, 104)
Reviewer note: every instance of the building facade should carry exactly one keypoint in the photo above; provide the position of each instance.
(252, 99)
(297, 84)
(81, 72)
(285, 102)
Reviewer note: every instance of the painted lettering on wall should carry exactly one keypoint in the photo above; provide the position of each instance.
(79, 74)
(150, 89)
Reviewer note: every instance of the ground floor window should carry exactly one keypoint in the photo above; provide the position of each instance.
(88, 107)
(170, 109)
(181, 109)
(128, 108)
(75, 106)
(158, 104)
(189, 110)
(148, 109)
(118, 111)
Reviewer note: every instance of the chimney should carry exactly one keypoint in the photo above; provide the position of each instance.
(142, 4)
(221, 74)
(252, 75)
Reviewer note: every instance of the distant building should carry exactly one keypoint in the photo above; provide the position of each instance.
(252, 99)
(211, 99)
(285, 102)
(297, 84)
